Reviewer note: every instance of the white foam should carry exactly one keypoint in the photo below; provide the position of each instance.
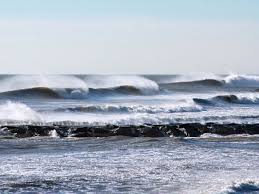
(188, 106)
(18, 112)
(242, 80)
(248, 98)
(53, 133)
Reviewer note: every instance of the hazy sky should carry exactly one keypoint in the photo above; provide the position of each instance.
(129, 36)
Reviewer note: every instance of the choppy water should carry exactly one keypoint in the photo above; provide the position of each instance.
(99, 100)
(130, 165)
(209, 164)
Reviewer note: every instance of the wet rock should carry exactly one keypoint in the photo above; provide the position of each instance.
(176, 130)
(130, 131)
(152, 131)
(191, 130)
(173, 130)
(251, 129)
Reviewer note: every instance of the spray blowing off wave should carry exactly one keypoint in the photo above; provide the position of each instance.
(18, 112)
(231, 81)
(144, 85)
(70, 93)
(18, 82)
(242, 80)
(68, 86)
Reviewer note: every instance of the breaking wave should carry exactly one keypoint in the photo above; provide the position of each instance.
(183, 107)
(246, 82)
(242, 80)
(138, 83)
(19, 82)
(68, 86)
(71, 86)
(70, 93)
(238, 99)
(15, 111)
(243, 187)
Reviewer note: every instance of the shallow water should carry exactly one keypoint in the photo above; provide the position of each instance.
(130, 165)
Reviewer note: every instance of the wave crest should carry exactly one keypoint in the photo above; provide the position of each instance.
(244, 187)
(183, 107)
(146, 86)
(238, 99)
(242, 80)
(15, 111)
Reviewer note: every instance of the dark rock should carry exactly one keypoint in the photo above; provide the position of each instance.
(191, 130)
(176, 130)
(130, 131)
(152, 131)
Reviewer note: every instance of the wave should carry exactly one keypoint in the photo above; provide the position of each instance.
(49, 93)
(193, 84)
(242, 80)
(243, 187)
(237, 99)
(15, 111)
(139, 84)
(69, 86)
(229, 82)
(19, 82)
(183, 107)
(70, 93)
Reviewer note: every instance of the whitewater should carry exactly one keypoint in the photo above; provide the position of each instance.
(128, 99)
(66, 162)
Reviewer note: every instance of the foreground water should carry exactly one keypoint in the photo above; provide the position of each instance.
(130, 165)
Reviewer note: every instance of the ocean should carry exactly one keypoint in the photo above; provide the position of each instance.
(195, 133)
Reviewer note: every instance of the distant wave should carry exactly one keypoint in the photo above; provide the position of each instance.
(240, 99)
(49, 93)
(232, 81)
(69, 86)
(193, 85)
(80, 87)
(123, 83)
(70, 93)
(42, 92)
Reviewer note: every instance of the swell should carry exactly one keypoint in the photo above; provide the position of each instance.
(184, 107)
(205, 82)
(230, 82)
(67, 93)
(42, 92)
(235, 99)
(60, 86)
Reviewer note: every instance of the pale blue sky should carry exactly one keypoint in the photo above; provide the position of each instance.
(129, 36)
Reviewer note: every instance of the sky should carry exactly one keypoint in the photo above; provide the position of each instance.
(129, 36)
